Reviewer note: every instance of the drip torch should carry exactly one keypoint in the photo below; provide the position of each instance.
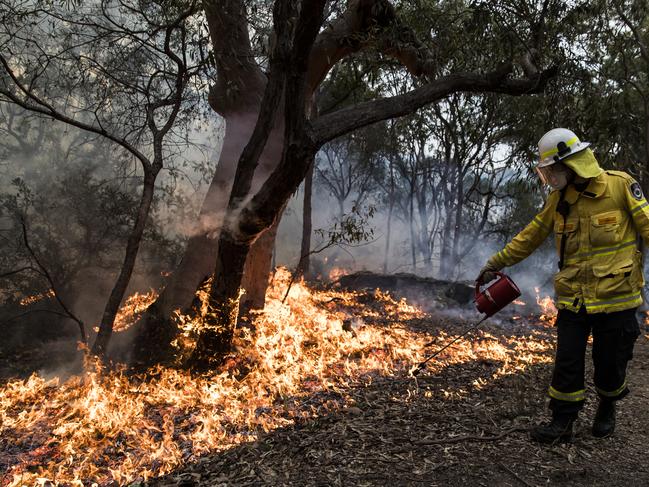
(494, 298)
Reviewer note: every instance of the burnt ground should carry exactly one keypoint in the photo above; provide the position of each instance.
(460, 424)
(455, 426)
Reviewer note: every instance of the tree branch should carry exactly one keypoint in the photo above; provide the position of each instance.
(644, 52)
(347, 34)
(44, 108)
(46, 274)
(240, 81)
(28, 312)
(332, 125)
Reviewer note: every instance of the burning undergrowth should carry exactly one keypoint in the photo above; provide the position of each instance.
(294, 363)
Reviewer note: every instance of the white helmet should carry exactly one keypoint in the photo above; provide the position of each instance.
(557, 144)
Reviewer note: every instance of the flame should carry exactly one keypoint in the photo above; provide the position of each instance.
(130, 311)
(548, 309)
(36, 297)
(132, 308)
(518, 302)
(294, 363)
(336, 273)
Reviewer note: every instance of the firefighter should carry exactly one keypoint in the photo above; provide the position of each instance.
(597, 217)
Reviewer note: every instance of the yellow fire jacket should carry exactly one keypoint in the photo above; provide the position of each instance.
(602, 264)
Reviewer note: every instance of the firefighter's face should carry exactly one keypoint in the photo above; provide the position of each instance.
(556, 175)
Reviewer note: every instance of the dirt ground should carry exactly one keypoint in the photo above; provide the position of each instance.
(456, 425)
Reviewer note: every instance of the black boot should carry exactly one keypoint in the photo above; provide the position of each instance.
(558, 430)
(604, 424)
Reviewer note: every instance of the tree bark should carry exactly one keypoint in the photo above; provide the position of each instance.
(260, 213)
(219, 324)
(198, 260)
(257, 267)
(303, 267)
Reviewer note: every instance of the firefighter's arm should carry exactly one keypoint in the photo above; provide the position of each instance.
(638, 207)
(528, 239)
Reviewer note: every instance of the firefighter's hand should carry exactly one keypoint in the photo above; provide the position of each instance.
(487, 273)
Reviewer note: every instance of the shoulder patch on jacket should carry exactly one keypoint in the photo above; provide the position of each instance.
(636, 191)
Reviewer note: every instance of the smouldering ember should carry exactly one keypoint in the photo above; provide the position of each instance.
(294, 363)
(36, 297)
(518, 302)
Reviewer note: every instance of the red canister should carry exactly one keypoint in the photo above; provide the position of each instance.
(497, 296)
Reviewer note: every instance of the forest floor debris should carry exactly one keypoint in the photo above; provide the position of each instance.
(457, 427)
(359, 420)
(463, 423)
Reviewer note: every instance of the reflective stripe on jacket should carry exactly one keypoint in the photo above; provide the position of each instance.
(602, 264)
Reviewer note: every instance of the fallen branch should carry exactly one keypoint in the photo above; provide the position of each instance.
(462, 438)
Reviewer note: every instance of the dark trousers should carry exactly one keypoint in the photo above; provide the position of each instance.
(614, 335)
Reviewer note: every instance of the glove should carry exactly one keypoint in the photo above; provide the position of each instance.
(487, 273)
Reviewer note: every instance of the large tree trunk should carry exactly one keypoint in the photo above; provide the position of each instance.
(157, 329)
(220, 321)
(261, 213)
(200, 254)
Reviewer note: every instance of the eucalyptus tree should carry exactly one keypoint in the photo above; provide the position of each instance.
(469, 135)
(342, 171)
(124, 71)
(308, 39)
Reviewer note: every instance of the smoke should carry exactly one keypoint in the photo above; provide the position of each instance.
(534, 272)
